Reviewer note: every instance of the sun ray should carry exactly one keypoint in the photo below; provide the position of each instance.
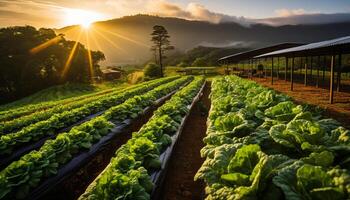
(110, 41)
(45, 45)
(70, 30)
(70, 57)
(124, 37)
(91, 68)
(96, 42)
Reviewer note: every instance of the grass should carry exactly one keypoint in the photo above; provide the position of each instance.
(66, 91)
(171, 70)
(135, 77)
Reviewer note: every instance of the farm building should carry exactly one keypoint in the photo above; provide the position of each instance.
(326, 56)
(111, 74)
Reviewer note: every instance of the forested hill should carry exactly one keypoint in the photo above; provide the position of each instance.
(208, 55)
(127, 39)
(34, 59)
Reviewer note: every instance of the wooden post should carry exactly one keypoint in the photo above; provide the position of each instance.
(318, 70)
(242, 67)
(251, 68)
(305, 77)
(291, 75)
(272, 71)
(278, 68)
(260, 72)
(331, 81)
(265, 70)
(301, 63)
(324, 68)
(227, 72)
(285, 69)
(311, 75)
(339, 73)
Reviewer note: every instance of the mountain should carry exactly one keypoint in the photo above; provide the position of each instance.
(316, 18)
(127, 39)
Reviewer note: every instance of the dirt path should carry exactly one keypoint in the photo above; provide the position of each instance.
(186, 160)
(339, 110)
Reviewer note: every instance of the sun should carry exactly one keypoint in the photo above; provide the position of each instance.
(80, 17)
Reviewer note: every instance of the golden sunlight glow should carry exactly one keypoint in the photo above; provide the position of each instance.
(45, 45)
(70, 57)
(81, 17)
(124, 37)
(91, 67)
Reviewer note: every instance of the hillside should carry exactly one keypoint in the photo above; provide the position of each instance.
(122, 39)
(209, 54)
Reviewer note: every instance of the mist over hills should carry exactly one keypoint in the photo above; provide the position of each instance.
(127, 40)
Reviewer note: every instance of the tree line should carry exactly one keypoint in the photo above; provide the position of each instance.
(33, 59)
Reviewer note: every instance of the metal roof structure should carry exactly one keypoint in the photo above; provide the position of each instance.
(255, 52)
(108, 71)
(328, 47)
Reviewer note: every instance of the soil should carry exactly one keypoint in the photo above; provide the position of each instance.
(310, 94)
(185, 159)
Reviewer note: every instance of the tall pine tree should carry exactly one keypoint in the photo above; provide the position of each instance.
(161, 43)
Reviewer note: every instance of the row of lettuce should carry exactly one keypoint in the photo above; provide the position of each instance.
(21, 177)
(41, 129)
(261, 145)
(92, 102)
(7, 114)
(128, 174)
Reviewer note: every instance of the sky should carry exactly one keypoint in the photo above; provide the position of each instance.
(59, 13)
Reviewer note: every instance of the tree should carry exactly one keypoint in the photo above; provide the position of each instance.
(31, 60)
(161, 43)
(152, 70)
(199, 62)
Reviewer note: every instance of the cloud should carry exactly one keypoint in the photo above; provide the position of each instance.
(231, 44)
(26, 12)
(193, 11)
(50, 13)
(288, 12)
(316, 18)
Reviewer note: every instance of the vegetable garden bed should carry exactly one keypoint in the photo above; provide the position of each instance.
(55, 154)
(260, 145)
(14, 145)
(185, 159)
(116, 137)
(158, 176)
(127, 172)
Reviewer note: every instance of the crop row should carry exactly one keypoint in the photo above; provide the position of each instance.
(22, 176)
(261, 145)
(10, 114)
(56, 122)
(127, 175)
(18, 123)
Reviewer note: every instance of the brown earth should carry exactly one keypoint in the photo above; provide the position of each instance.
(186, 160)
(339, 110)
